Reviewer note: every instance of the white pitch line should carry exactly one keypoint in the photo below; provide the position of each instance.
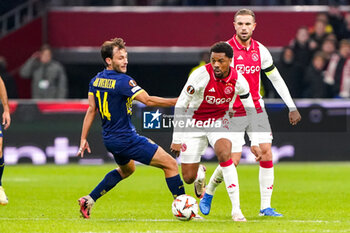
(214, 230)
(164, 220)
(18, 179)
(157, 231)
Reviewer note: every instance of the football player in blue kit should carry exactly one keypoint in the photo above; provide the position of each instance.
(6, 121)
(111, 93)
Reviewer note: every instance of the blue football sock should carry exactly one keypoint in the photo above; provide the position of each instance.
(110, 180)
(175, 185)
(2, 166)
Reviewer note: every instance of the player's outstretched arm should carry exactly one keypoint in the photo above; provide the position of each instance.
(88, 120)
(181, 108)
(192, 87)
(6, 118)
(155, 100)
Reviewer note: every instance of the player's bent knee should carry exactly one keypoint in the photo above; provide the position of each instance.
(172, 164)
(223, 154)
(187, 176)
(164, 161)
(189, 179)
(168, 161)
(125, 174)
(126, 171)
(266, 155)
(189, 172)
(222, 149)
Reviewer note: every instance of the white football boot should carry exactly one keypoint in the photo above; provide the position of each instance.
(199, 183)
(238, 216)
(3, 197)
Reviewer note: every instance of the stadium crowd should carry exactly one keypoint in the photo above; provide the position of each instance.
(197, 2)
(316, 63)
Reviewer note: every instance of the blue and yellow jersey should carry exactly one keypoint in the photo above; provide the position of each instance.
(113, 93)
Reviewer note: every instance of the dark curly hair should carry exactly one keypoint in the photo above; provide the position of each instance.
(222, 47)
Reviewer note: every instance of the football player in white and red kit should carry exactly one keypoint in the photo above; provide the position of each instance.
(251, 57)
(204, 101)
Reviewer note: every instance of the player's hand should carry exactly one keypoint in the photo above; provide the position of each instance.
(6, 120)
(294, 117)
(175, 148)
(84, 145)
(230, 114)
(257, 152)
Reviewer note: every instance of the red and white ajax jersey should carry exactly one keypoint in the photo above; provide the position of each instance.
(249, 62)
(209, 97)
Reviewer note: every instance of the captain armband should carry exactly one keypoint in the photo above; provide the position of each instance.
(244, 96)
(269, 69)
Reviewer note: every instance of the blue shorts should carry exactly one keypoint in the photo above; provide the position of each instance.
(133, 147)
(1, 131)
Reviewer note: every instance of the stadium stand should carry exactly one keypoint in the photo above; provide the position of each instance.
(170, 38)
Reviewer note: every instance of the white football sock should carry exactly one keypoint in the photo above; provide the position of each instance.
(229, 173)
(214, 181)
(200, 174)
(266, 178)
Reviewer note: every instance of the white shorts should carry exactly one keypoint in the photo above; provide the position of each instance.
(240, 125)
(195, 144)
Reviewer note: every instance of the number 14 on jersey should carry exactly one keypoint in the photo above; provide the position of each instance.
(103, 106)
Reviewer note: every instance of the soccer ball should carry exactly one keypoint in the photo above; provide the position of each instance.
(185, 207)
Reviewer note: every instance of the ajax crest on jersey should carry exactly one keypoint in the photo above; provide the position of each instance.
(255, 57)
(185, 207)
(228, 90)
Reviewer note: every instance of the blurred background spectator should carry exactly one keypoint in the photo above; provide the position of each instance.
(338, 71)
(48, 76)
(327, 74)
(318, 34)
(323, 16)
(345, 30)
(8, 79)
(314, 78)
(204, 59)
(336, 20)
(291, 72)
(328, 48)
(302, 48)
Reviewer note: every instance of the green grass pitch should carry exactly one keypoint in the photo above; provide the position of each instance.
(314, 197)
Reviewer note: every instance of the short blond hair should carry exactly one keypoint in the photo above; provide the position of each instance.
(245, 11)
